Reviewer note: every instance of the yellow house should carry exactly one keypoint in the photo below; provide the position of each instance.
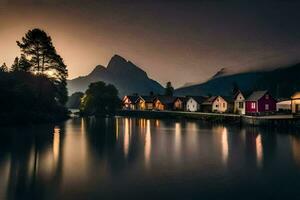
(145, 103)
(296, 103)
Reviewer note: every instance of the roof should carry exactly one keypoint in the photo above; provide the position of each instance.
(256, 95)
(148, 99)
(166, 99)
(183, 99)
(296, 95)
(237, 93)
(132, 98)
(210, 100)
(198, 99)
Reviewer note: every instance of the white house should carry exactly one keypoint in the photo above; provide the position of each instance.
(193, 104)
(284, 105)
(239, 103)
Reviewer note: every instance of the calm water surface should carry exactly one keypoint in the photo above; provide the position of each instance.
(127, 158)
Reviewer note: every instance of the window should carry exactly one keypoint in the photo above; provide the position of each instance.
(267, 107)
(217, 105)
(267, 96)
(241, 105)
(223, 105)
(252, 105)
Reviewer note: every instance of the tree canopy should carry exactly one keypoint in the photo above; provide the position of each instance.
(34, 89)
(100, 99)
(38, 48)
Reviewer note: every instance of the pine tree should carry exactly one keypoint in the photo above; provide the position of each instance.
(15, 65)
(24, 64)
(169, 89)
(3, 68)
(44, 60)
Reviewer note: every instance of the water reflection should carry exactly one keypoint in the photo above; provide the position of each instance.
(178, 140)
(148, 144)
(225, 145)
(296, 149)
(94, 158)
(259, 150)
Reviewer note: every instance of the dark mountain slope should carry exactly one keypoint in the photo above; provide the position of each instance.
(281, 82)
(127, 77)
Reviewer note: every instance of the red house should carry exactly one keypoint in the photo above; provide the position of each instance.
(260, 102)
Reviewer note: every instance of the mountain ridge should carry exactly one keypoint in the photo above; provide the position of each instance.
(125, 75)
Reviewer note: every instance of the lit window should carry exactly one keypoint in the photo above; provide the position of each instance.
(267, 107)
(241, 105)
(223, 105)
(253, 105)
(267, 96)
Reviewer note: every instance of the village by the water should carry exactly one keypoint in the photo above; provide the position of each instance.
(256, 108)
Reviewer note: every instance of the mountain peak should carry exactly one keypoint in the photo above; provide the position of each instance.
(115, 61)
(125, 75)
(98, 69)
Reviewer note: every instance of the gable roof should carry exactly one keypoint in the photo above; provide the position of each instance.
(210, 100)
(147, 99)
(183, 99)
(198, 99)
(167, 100)
(132, 98)
(237, 94)
(256, 95)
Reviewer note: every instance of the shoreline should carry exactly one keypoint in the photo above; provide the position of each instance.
(267, 121)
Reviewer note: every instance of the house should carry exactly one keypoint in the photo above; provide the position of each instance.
(239, 103)
(215, 104)
(145, 102)
(284, 105)
(180, 103)
(295, 103)
(260, 102)
(194, 103)
(130, 102)
(164, 102)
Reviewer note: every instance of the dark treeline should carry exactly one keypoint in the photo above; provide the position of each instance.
(33, 89)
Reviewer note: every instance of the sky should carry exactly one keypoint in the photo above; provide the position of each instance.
(172, 40)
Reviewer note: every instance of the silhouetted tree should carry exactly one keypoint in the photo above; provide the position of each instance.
(15, 66)
(38, 47)
(21, 64)
(3, 68)
(100, 99)
(169, 89)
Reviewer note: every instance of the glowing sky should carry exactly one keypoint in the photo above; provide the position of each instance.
(178, 40)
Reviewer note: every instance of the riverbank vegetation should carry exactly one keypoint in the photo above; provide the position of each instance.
(33, 89)
(100, 99)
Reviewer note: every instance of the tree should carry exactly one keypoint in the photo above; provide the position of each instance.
(15, 65)
(169, 89)
(100, 99)
(43, 59)
(21, 64)
(3, 68)
(75, 100)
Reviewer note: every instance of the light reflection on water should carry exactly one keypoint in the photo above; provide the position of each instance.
(110, 158)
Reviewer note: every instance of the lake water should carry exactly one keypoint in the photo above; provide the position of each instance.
(127, 158)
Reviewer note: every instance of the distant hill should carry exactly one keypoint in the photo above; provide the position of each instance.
(281, 82)
(127, 77)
